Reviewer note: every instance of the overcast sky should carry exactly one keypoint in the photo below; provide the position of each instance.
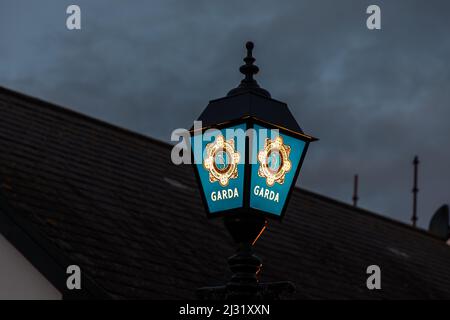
(374, 98)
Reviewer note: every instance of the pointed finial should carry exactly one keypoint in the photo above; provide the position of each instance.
(249, 70)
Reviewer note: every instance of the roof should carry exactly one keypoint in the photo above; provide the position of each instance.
(249, 104)
(77, 190)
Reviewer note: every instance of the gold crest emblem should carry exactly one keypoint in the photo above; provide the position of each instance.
(274, 161)
(221, 160)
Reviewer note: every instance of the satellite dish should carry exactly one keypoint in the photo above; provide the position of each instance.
(439, 224)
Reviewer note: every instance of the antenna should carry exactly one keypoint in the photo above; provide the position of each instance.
(415, 190)
(355, 190)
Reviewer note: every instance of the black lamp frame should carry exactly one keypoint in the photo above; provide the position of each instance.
(246, 209)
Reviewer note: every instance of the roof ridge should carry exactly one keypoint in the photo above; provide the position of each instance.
(59, 108)
(367, 212)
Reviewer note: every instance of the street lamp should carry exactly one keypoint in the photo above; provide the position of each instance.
(248, 150)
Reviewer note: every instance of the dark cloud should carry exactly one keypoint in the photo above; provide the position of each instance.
(375, 98)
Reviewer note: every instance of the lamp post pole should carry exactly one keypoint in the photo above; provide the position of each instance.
(244, 264)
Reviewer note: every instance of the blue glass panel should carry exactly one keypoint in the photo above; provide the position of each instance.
(228, 193)
(270, 183)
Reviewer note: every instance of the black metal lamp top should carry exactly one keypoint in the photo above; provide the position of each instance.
(248, 84)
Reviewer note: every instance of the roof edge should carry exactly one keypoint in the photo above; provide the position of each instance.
(369, 213)
(59, 108)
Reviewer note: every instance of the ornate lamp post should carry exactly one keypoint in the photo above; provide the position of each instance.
(247, 155)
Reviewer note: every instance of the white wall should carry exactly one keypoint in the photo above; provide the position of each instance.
(19, 279)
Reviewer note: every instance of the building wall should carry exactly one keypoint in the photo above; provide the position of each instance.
(19, 279)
